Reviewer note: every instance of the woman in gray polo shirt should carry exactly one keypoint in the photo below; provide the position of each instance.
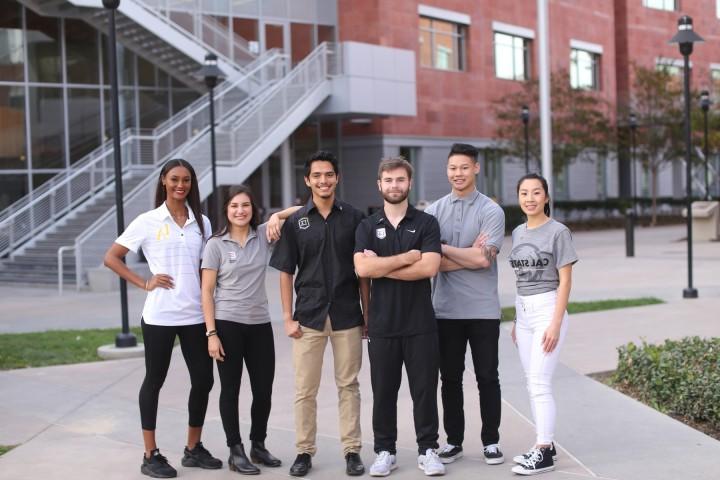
(542, 257)
(236, 314)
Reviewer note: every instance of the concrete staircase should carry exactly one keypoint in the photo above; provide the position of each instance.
(37, 263)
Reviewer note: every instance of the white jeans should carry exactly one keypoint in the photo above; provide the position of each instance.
(534, 314)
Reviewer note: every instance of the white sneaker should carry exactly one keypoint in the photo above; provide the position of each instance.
(430, 463)
(384, 464)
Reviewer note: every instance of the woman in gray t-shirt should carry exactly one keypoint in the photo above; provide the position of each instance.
(235, 308)
(542, 257)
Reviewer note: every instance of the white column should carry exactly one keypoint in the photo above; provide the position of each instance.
(545, 110)
(287, 175)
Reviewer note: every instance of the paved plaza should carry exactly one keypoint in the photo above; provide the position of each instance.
(82, 422)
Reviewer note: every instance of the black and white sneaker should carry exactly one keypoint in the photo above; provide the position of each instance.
(200, 457)
(539, 461)
(157, 466)
(493, 455)
(449, 453)
(525, 456)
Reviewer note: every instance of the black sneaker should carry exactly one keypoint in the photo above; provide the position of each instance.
(525, 456)
(449, 453)
(200, 457)
(157, 466)
(539, 461)
(493, 455)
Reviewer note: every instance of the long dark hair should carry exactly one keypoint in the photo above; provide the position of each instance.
(232, 193)
(193, 197)
(543, 182)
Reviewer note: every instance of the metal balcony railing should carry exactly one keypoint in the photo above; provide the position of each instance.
(35, 212)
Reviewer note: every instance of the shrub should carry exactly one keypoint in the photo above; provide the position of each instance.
(677, 377)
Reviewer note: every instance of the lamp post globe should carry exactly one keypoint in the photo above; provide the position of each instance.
(686, 38)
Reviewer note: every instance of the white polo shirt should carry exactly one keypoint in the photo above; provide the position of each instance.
(173, 251)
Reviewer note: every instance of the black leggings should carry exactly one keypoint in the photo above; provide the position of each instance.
(159, 341)
(254, 345)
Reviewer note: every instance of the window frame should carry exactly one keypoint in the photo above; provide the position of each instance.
(459, 42)
(526, 53)
(663, 8)
(596, 62)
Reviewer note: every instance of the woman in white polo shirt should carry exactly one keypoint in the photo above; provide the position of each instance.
(238, 322)
(172, 240)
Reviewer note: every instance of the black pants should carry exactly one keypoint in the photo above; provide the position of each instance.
(482, 335)
(159, 341)
(421, 357)
(255, 346)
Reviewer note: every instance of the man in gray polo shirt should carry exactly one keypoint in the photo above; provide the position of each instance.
(466, 303)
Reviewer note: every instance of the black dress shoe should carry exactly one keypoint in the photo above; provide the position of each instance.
(354, 465)
(238, 462)
(301, 466)
(259, 454)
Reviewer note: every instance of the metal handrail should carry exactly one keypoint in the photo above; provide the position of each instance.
(232, 48)
(26, 220)
(304, 78)
(60, 251)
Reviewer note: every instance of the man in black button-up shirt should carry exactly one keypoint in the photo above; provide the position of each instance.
(318, 240)
(399, 248)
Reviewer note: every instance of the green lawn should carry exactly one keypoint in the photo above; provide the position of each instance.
(508, 313)
(5, 448)
(54, 347)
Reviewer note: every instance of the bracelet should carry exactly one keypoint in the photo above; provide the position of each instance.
(146, 285)
(210, 333)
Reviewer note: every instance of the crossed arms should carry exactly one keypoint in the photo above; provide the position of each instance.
(408, 266)
(479, 255)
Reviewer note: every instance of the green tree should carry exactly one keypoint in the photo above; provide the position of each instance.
(581, 124)
(656, 99)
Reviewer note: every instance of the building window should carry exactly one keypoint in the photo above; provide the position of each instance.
(669, 5)
(442, 44)
(584, 69)
(512, 57)
(674, 69)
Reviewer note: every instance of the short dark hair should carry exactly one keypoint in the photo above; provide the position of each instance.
(231, 193)
(464, 149)
(321, 156)
(543, 182)
(391, 163)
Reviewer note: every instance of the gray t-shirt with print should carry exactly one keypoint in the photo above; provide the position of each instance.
(240, 291)
(537, 255)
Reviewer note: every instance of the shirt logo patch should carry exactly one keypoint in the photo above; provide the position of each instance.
(163, 232)
(380, 233)
(304, 223)
(232, 256)
(411, 231)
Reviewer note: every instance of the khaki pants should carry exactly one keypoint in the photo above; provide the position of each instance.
(308, 352)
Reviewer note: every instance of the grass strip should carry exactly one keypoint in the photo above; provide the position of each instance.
(508, 313)
(5, 448)
(55, 347)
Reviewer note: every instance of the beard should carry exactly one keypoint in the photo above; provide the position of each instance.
(397, 199)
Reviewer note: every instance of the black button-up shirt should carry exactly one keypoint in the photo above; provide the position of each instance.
(399, 308)
(322, 251)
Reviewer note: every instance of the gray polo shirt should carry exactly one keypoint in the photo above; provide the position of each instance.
(468, 294)
(240, 292)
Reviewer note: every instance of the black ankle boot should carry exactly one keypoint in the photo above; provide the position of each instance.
(259, 454)
(238, 462)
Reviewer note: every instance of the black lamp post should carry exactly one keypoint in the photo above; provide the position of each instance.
(685, 38)
(631, 213)
(125, 338)
(705, 106)
(212, 73)
(525, 116)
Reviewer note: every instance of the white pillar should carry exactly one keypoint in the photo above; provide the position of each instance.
(287, 181)
(545, 110)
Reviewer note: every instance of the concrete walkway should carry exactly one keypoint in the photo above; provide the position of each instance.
(81, 421)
